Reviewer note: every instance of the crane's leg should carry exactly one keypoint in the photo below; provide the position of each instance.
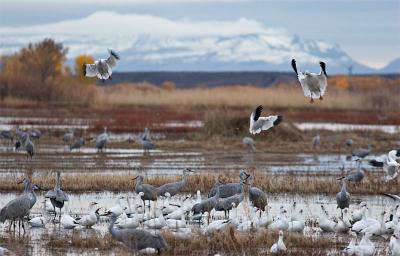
(320, 96)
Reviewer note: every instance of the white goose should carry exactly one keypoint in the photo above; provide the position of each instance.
(343, 225)
(394, 244)
(216, 225)
(260, 123)
(377, 228)
(125, 222)
(101, 68)
(314, 85)
(40, 221)
(281, 222)
(325, 223)
(278, 246)
(177, 224)
(364, 222)
(67, 221)
(297, 222)
(266, 218)
(155, 223)
(390, 166)
(357, 214)
(90, 219)
(118, 209)
(350, 249)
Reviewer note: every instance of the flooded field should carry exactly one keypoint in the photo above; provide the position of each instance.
(281, 168)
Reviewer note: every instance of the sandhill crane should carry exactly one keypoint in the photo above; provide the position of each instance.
(362, 152)
(7, 135)
(150, 192)
(16, 209)
(249, 143)
(355, 175)
(101, 140)
(230, 189)
(206, 205)
(137, 239)
(56, 195)
(102, 68)
(314, 85)
(316, 141)
(343, 197)
(260, 123)
(77, 144)
(68, 136)
(174, 188)
(257, 197)
(35, 134)
(349, 142)
(226, 204)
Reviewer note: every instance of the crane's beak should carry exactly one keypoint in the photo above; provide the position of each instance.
(189, 170)
(135, 178)
(20, 181)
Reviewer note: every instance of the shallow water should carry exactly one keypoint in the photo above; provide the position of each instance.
(347, 127)
(79, 203)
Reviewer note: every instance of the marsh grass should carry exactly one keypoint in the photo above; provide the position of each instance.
(274, 183)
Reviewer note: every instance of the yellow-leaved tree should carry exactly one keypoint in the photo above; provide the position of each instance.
(80, 60)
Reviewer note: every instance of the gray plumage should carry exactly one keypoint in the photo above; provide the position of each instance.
(16, 209)
(355, 175)
(149, 191)
(77, 144)
(316, 141)
(349, 142)
(147, 145)
(35, 134)
(174, 188)
(145, 136)
(361, 153)
(29, 189)
(68, 136)
(208, 204)
(7, 135)
(30, 148)
(230, 189)
(249, 143)
(343, 197)
(137, 239)
(257, 197)
(226, 204)
(102, 140)
(56, 195)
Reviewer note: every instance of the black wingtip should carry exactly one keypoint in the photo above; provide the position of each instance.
(398, 153)
(278, 120)
(323, 67)
(257, 112)
(294, 66)
(114, 54)
(84, 69)
(376, 163)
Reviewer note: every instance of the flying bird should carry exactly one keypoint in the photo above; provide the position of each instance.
(101, 68)
(314, 85)
(260, 123)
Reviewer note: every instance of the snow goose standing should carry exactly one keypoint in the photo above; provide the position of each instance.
(297, 222)
(314, 85)
(281, 223)
(101, 68)
(325, 223)
(278, 246)
(67, 221)
(260, 123)
(90, 219)
(118, 209)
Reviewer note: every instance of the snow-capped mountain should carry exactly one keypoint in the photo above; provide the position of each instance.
(153, 43)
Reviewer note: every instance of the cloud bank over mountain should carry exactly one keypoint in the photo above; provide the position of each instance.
(148, 42)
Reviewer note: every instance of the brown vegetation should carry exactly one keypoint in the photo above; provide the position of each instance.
(307, 183)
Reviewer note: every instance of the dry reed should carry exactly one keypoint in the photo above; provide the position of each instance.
(308, 183)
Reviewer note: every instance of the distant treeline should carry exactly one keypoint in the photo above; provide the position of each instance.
(209, 79)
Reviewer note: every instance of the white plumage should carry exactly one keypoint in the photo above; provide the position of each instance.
(278, 246)
(314, 85)
(101, 68)
(259, 123)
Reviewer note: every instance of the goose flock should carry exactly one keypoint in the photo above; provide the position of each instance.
(152, 209)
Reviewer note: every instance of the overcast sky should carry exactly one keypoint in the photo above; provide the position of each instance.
(368, 30)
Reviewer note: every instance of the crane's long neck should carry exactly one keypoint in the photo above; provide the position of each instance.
(111, 228)
(58, 181)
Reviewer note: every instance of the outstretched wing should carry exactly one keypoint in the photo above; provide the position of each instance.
(90, 70)
(265, 123)
(112, 60)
